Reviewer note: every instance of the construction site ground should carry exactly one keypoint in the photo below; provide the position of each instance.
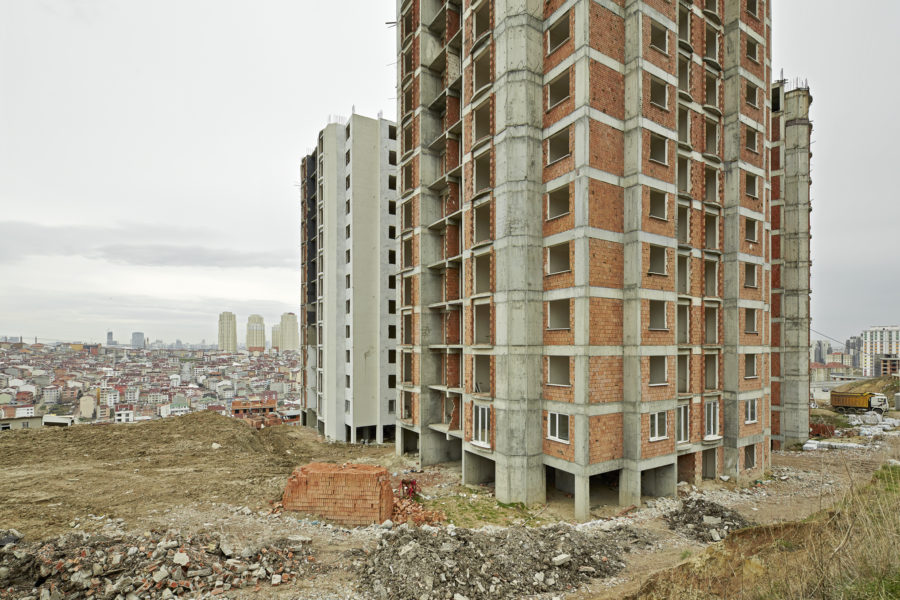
(204, 474)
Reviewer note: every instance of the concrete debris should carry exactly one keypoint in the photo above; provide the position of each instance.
(159, 565)
(496, 563)
(704, 520)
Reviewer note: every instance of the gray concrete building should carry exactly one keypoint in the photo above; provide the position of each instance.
(348, 279)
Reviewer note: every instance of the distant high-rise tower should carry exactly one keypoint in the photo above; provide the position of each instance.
(256, 334)
(227, 332)
(290, 333)
(276, 336)
(109, 338)
(137, 339)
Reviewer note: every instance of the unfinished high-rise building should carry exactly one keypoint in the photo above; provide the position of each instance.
(348, 263)
(585, 242)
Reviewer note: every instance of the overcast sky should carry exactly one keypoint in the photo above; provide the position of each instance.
(149, 154)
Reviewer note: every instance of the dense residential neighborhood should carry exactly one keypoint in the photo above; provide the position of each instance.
(67, 384)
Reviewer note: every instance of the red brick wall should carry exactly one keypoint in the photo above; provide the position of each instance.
(349, 494)
(606, 437)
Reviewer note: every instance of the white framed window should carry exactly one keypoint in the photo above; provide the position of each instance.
(658, 430)
(712, 419)
(683, 423)
(750, 366)
(558, 427)
(481, 425)
(751, 412)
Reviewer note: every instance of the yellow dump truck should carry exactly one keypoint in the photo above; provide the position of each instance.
(859, 402)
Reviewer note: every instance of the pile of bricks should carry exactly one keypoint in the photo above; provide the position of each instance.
(348, 494)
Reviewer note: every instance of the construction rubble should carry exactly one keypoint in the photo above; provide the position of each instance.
(497, 563)
(703, 520)
(156, 565)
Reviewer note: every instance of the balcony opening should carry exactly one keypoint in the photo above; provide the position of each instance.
(559, 314)
(682, 323)
(408, 101)
(558, 33)
(558, 202)
(750, 456)
(710, 279)
(659, 93)
(558, 90)
(684, 175)
(711, 185)
(712, 90)
(712, 137)
(712, 44)
(684, 123)
(482, 318)
(482, 172)
(711, 231)
(407, 367)
(558, 370)
(558, 259)
(482, 274)
(407, 328)
(481, 71)
(712, 6)
(658, 205)
(481, 122)
(657, 315)
(684, 25)
(407, 138)
(657, 260)
(684, 276)
(711, 372)
(408, 216)
(482, 217)
(711, 325)
(407, 178)
(558, 146)
(406, 412)
(482, 20)
(658, 149)
(684, 74)
(684, 374)
(481, 375)
(752, 7)
(752, 136)
(658, 370)
(407, 291)
(684, 226)
(408, 253)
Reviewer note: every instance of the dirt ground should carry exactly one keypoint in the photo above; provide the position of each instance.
(166, 475)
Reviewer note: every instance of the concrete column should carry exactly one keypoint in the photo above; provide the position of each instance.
(582, 497)
(630, 476)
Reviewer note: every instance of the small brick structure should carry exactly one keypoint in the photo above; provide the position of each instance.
(349, 494)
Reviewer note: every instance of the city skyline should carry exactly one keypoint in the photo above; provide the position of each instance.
(105, 227)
